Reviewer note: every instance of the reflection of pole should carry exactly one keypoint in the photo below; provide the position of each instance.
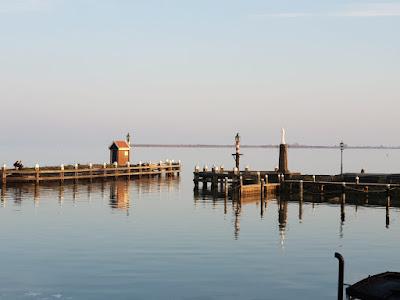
(3, 195)
(237, 220)
(388, 207)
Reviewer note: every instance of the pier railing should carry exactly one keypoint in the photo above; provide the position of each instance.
(75, 172)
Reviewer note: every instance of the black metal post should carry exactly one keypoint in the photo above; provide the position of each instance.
(341, 275)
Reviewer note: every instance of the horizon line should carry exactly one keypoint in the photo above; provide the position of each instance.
(271, 146)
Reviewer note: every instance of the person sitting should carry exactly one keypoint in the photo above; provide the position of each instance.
(18, 165)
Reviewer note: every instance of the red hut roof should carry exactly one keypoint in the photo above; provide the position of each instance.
(120, 145)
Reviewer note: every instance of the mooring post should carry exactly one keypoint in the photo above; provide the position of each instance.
(213, 178)
(258, 177)
(357, 180)
(140, 169)
(240, 186)
(61, 173)
(341, 275)
(226, 188)
(262, 190)
(313, 178)
(91, 172)
(128, 170)
(343, 202)
(37, 173)
(4, 175)
(205, 174)
(387, 206)
(115, 169)
(178, 172)
(196, 177)
(301, 189)
(76, 172)
(321, 189)
(104, 170)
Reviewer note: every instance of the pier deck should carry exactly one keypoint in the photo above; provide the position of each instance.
(82, 172)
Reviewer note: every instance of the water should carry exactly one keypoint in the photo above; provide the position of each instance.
(152, 239)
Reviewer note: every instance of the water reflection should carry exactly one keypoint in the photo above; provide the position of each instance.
(119, 195)
(120, 192)
(342, 201)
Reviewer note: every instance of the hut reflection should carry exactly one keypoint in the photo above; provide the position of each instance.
(119, 194)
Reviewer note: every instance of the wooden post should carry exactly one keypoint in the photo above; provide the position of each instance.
(196, 177)
(91, 171)
(140, 169)
(76, 172)
(262, 190)
(62, 173)
(178, 172)
(128, 165)
(115, 169)
(301, 189)
(104, 170)
(258, 177)
(213, 178)
(37, 173)
(4, 175)
(343, 202)
(226, 188)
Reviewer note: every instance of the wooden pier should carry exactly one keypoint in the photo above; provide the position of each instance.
(243, 183)
(88, 172)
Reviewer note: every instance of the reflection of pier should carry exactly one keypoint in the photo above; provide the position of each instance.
(341, 201)
(119, 192)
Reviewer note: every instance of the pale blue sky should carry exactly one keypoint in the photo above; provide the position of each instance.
(198, 71)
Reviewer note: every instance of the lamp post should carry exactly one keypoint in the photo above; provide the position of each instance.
(341, 157)
(237, 154)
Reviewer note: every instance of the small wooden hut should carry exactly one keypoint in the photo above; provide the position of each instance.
(120, 152)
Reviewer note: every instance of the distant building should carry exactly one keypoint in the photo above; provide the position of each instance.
(120, 152)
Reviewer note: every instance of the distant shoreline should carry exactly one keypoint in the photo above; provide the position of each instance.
(293, 146)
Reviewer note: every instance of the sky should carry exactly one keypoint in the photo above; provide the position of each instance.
(87, 72)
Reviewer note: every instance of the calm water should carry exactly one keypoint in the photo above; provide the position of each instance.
(152, 239)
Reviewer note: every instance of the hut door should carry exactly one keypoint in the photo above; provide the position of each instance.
(114, 156)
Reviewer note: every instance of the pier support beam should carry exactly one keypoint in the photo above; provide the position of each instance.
(4, 175)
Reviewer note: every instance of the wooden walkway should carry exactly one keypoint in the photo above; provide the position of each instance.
(87, 172)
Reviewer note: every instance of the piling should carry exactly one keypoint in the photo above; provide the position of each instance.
(3, 175)
(387, 206)
(226, 187)
(37, 173)
(301, 189)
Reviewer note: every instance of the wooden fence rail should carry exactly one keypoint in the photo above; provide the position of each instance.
(87, 172)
